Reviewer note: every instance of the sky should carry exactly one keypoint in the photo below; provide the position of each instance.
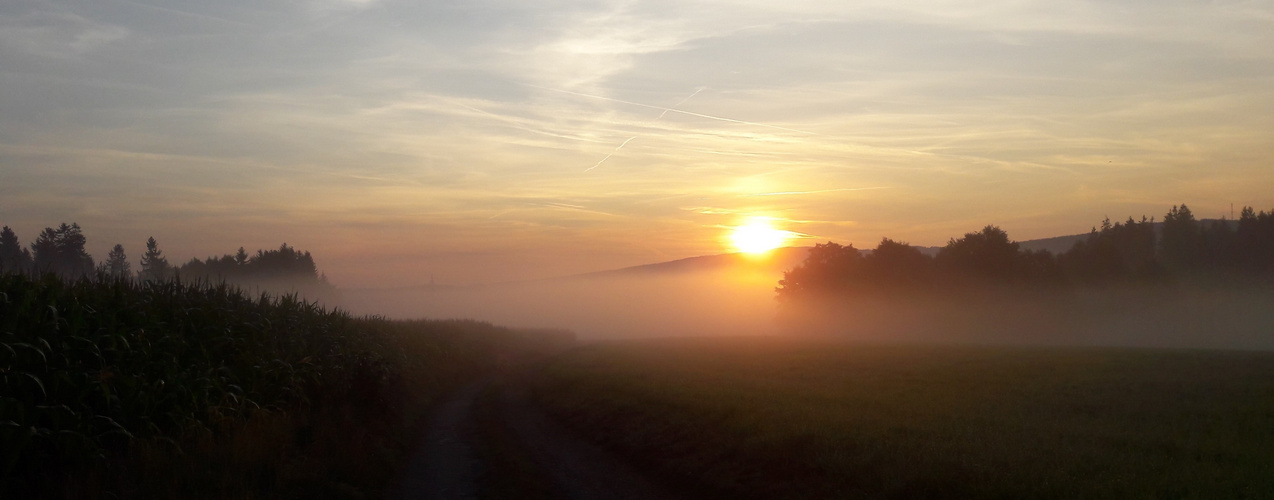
(488, 140)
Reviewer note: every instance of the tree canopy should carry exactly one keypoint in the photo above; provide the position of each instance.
(61, 251)
(13, 258)
(116, 265)
(1134, 252)
(155, 266)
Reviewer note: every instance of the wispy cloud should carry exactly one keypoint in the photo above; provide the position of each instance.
(470, 122)
(674, 110)
(626, 141)
(817, 191)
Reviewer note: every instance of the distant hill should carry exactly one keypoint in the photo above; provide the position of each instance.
(1060, 244)
(783, 259)
(786, 258)
(777, 260)
(1055, 245)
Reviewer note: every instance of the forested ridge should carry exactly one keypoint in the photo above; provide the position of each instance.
(1179, 251)
(61, 251)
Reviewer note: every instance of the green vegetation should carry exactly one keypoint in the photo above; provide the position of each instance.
(117, 388)
(780, 418)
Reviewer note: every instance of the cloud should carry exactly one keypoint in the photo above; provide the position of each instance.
(363, 118)
(56, 34)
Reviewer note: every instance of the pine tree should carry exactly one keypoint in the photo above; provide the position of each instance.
(13, 258)
(61, 251)
(1119, 252)
(154, 265)
(117, 265)
(1182, 241)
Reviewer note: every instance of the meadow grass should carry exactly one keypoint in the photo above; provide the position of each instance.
(775, 418)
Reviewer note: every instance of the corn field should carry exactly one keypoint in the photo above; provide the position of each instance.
(90, 368)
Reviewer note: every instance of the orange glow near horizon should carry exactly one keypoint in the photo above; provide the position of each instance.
(757, 236)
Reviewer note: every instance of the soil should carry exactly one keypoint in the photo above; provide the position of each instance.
(490, 440)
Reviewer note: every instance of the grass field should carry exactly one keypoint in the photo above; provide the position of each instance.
(773, 418)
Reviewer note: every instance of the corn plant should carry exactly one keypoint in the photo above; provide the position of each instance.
(89, 367)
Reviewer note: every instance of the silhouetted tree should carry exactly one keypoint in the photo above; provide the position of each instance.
(1119, 252)
(116, 264)
(284, 270)
(1181, 250)
(286, 262)
(61, 251)
(829, 268)
(154, 265)
(213, 269)
(894, 265)
(1248, 235)
(13, 258)
(1218, 247)
(1040, 268)
(1181, 244)
(1254, 242)
(987, 254)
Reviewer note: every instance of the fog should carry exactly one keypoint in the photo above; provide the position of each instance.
(1166, 317)
(731, 301)
(738, 298)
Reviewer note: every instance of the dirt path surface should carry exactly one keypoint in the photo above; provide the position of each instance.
(446, 466)
(449, 465)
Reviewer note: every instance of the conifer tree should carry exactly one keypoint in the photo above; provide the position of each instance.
(117, 265)
(155, 266)
(61, 251)
(1181, 243)
(13, 258)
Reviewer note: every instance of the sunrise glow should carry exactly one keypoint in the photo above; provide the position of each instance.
(757, 236)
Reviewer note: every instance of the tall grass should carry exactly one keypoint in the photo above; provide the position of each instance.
(115, 388)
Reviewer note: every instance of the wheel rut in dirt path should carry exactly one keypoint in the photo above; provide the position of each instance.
(446, 465)
(461, 457)
(581, 470)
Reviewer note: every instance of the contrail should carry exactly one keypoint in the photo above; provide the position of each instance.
(515, 123)
(625, 143)
(683, 101)
(710, 117)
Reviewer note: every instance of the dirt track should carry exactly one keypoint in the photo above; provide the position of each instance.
(461, 457)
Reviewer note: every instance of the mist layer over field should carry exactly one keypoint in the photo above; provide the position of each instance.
(695, 303)
(1175, 317)
(738, 298)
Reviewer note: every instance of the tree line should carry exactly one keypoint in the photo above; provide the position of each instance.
(1179, 249)
(61, 251)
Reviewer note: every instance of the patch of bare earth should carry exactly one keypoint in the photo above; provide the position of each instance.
(489, 440)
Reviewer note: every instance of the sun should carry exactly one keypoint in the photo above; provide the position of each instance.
(757, 236)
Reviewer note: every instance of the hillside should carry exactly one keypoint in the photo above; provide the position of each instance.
(777, 261)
